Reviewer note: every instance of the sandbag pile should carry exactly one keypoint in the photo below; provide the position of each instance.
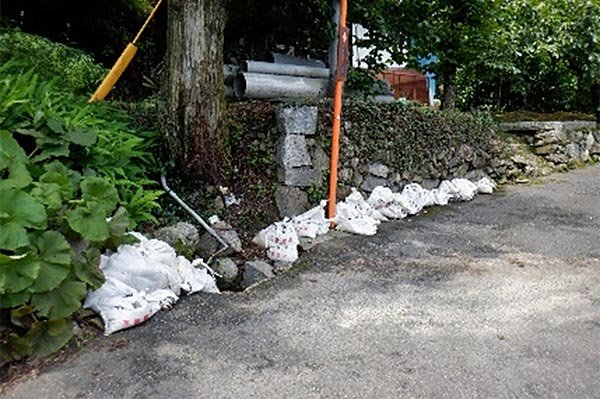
(362, 216)
(143, 278)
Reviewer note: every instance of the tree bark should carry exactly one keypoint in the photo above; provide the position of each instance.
(449, 97)
(193, 90)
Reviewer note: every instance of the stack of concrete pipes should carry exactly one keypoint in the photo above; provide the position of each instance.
(275, 80)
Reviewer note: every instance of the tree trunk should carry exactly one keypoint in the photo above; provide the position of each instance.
(193, 90)
(449, 97)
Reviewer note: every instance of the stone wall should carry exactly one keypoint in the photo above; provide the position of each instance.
(528, 149)
(560, 143)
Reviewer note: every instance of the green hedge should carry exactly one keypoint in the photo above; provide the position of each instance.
(73, 70)
(408, 137)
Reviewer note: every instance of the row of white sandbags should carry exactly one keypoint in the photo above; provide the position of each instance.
(143, 278)
(360, 216)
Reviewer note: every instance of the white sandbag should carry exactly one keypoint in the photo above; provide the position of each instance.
(437, 196)
(277, 234)
(141, 279)
(283, 253)
(312, 223)
(460, 189)
(485, 185)
(382, 199)
(349, 218)
(356, 200)
(413, 198)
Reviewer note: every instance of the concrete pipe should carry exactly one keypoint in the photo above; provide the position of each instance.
(284, 69)
(263, 86)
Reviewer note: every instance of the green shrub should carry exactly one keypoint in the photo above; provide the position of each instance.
(73, 70)
(74, 178)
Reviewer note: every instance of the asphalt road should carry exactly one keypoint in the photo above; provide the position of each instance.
(496, 298)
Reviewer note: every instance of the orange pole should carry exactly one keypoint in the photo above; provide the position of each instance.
(337, 112)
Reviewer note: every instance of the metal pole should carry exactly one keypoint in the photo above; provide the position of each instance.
(340, 77)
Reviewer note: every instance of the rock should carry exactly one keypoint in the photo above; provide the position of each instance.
(462, 170)
(371, 182)
(186, 233)
(557, 158)
(320, 159)
(465, 152)
(379, 170)
(345, 175)
(227, 269)
(595, 150)
(572, 151)
(256, 271)
(475, 175)
(291, 201)
(280, 267)
(357, 180)
(546, 149)
(519, 160)
(430, 184)
(301, 177)
(297, 120)
(218, 204)
(589, 141)
(208, 244)
(292, 151)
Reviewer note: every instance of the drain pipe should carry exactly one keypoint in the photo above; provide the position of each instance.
(211, 231)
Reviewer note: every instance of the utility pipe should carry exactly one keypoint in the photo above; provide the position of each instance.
(211, 231)
(340, 77)
(266, 86)
(284, 69)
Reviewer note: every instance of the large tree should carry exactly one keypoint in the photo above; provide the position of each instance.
(193, 90)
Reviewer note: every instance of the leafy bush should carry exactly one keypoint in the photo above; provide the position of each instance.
(74, 178)
(74, 70)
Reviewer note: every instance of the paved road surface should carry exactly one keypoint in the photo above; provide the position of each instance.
(496, 298)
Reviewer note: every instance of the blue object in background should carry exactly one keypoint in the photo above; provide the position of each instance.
(429, 76)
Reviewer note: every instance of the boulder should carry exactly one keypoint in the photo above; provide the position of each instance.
(292, 151)
(255, 272)
(186, 233)
(301, 177)
(379, 170)
(297, 120)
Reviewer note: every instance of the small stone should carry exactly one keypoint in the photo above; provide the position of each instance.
(218, 204)
(227, 269)
(465, 152)
(320, 159)
(291, 201)
(430, 184)
(572, 151)
(462, 170)
(301, 177)
(545, 149)
(475, 175)
(292, 151)
(297, 120)
(280, 267)
(379, 170)
(345, 175)
(186, 233)
(595, 150)
(208, 244)
(589, 141)
(255, 272)
(371, 182)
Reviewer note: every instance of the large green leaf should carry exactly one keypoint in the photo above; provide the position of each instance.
(55, 255)
(13, 163)
(87, 268)
(83, 137)
(18, 210)
(49, 336)
(98, 190)
(48, 194)
(18, 273)
(8, 301)
(14, 348)
(61, 302)
(89, 221)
